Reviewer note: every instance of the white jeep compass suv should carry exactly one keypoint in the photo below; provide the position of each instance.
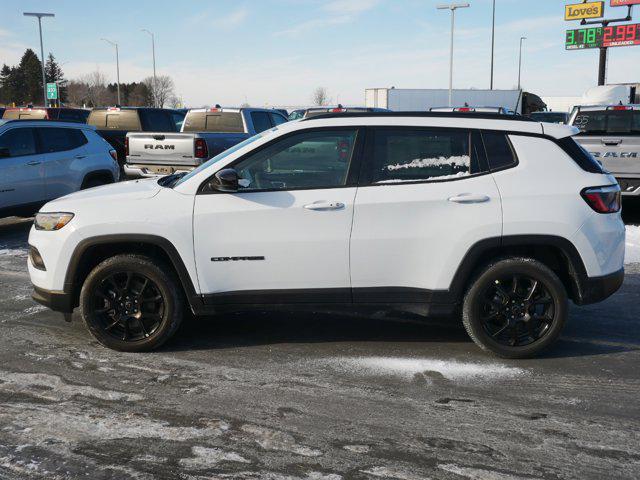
(495, 218)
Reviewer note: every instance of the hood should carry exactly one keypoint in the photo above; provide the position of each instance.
(131, 190)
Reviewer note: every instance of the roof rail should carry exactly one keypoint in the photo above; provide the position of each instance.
(476, 115)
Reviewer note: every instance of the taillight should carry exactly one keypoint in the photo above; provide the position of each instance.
(620, 107)
(114, 154)
(603, 199)
(200, 148)
(463, 109)
(126, 146)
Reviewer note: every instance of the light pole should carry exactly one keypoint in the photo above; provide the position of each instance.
(493, 40)
(117, 66)
(44, 81)
(520, 61)
(452, 7)
(153, 52)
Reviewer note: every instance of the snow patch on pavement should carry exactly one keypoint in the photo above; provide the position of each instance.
(13, 252)
(209, 457)
(52, 387)
(480, 474)
(632, 250)
(280, 441)
(407, 368)
(357, 448)
(386, 472)
(35, 309)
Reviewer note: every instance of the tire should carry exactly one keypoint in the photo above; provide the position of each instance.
(94, 182)
(510, 326)
(132, 303)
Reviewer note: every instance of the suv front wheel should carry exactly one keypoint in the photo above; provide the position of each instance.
(515, 307)
(131, 303)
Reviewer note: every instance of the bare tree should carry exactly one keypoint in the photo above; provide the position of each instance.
(77, 93)
(163, 89)
(320, 96)
(176, 102)
(96, 88)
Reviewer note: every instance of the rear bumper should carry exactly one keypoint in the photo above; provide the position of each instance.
(57, 301)
(147, 171)
(596, 289)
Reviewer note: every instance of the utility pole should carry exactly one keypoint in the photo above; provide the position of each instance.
(520, 61)
(153, 52)
(452, 7)
(493, 41)
(44, 81)
(117, 66)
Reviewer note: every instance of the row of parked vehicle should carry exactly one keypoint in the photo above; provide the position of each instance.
(42, 160)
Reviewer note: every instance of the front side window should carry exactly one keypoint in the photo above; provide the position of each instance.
(308, 160)
(404, 155)
(178, 120)
(17, 142)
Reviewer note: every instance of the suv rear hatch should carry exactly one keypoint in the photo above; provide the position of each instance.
(612, 135)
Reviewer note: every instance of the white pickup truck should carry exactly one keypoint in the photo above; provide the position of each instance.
(205, 133)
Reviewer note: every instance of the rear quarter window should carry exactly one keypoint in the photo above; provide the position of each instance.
(500, 153)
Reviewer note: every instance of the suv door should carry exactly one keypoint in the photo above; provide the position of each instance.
(63, 153)
(22, 175)
(284, 236)
(425, 199)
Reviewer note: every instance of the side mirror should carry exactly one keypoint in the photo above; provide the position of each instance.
(226, 180)
(4, 152)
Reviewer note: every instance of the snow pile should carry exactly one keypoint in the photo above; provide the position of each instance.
(632, 251)
(407, 368)
(458, 161)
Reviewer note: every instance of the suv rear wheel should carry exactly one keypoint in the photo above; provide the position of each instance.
(131, 303)
(515, 308)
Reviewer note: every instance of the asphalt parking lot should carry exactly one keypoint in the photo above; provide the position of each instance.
(285, 395)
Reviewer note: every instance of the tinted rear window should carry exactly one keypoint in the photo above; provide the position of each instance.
(600, 122)
(261, 121)
(500, 153)
(24, 115)
(550, 117)
(157, 121)
(115, 120)
(225, 122)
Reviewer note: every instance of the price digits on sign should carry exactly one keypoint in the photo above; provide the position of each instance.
(610, 36)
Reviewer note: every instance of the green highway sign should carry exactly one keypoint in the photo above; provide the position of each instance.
(52, 91)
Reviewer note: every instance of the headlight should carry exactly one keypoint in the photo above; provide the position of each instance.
(52, 221)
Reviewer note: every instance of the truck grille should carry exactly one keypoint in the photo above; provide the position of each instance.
(628, 185)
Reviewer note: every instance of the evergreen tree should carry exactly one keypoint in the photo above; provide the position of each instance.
(6, 95)
(30, 71)
(53, 73)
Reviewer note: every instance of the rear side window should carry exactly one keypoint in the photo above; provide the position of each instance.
(603, 122)
(403, 155)
(60, 139)
(277, 119)
(579, 155)
(223, 122)
(18, 142)
(157, 121)
(499, 151)
(261, 121)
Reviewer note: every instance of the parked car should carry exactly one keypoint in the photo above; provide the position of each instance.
(612, 135)
(296, 114)
(206, 133)
(65, 114)
(496, 217)
(42, 160)
(468, 109)
(113, 123)
(550, 117)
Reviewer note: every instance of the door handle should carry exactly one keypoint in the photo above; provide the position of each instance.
(80, 157)
(325, 206)
(33, 162)
(469, 198)
(611, 142)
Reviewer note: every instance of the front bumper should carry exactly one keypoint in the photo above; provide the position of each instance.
(596, 289)
(57, 301)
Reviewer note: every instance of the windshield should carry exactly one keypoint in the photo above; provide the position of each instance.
(608, 122)
(219, 157)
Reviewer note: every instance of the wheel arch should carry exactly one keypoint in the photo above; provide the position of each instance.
(97, 174)
(557, 253)
(91, 251)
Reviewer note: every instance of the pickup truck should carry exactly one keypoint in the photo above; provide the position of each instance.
(113, 123)
(205, 133)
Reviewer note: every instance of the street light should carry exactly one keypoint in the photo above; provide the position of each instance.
(493, 40)
(44, 81)
(153, 51)
(452, 7)
(117, 66)
(520, 61)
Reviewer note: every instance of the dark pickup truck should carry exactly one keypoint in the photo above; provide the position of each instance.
(205, 133)
(113, 124)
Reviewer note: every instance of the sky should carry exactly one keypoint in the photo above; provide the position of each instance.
(276, 52)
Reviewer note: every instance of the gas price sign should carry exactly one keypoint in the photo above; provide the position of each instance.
(598, 37)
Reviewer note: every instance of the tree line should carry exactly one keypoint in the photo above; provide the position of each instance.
(22, 85)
